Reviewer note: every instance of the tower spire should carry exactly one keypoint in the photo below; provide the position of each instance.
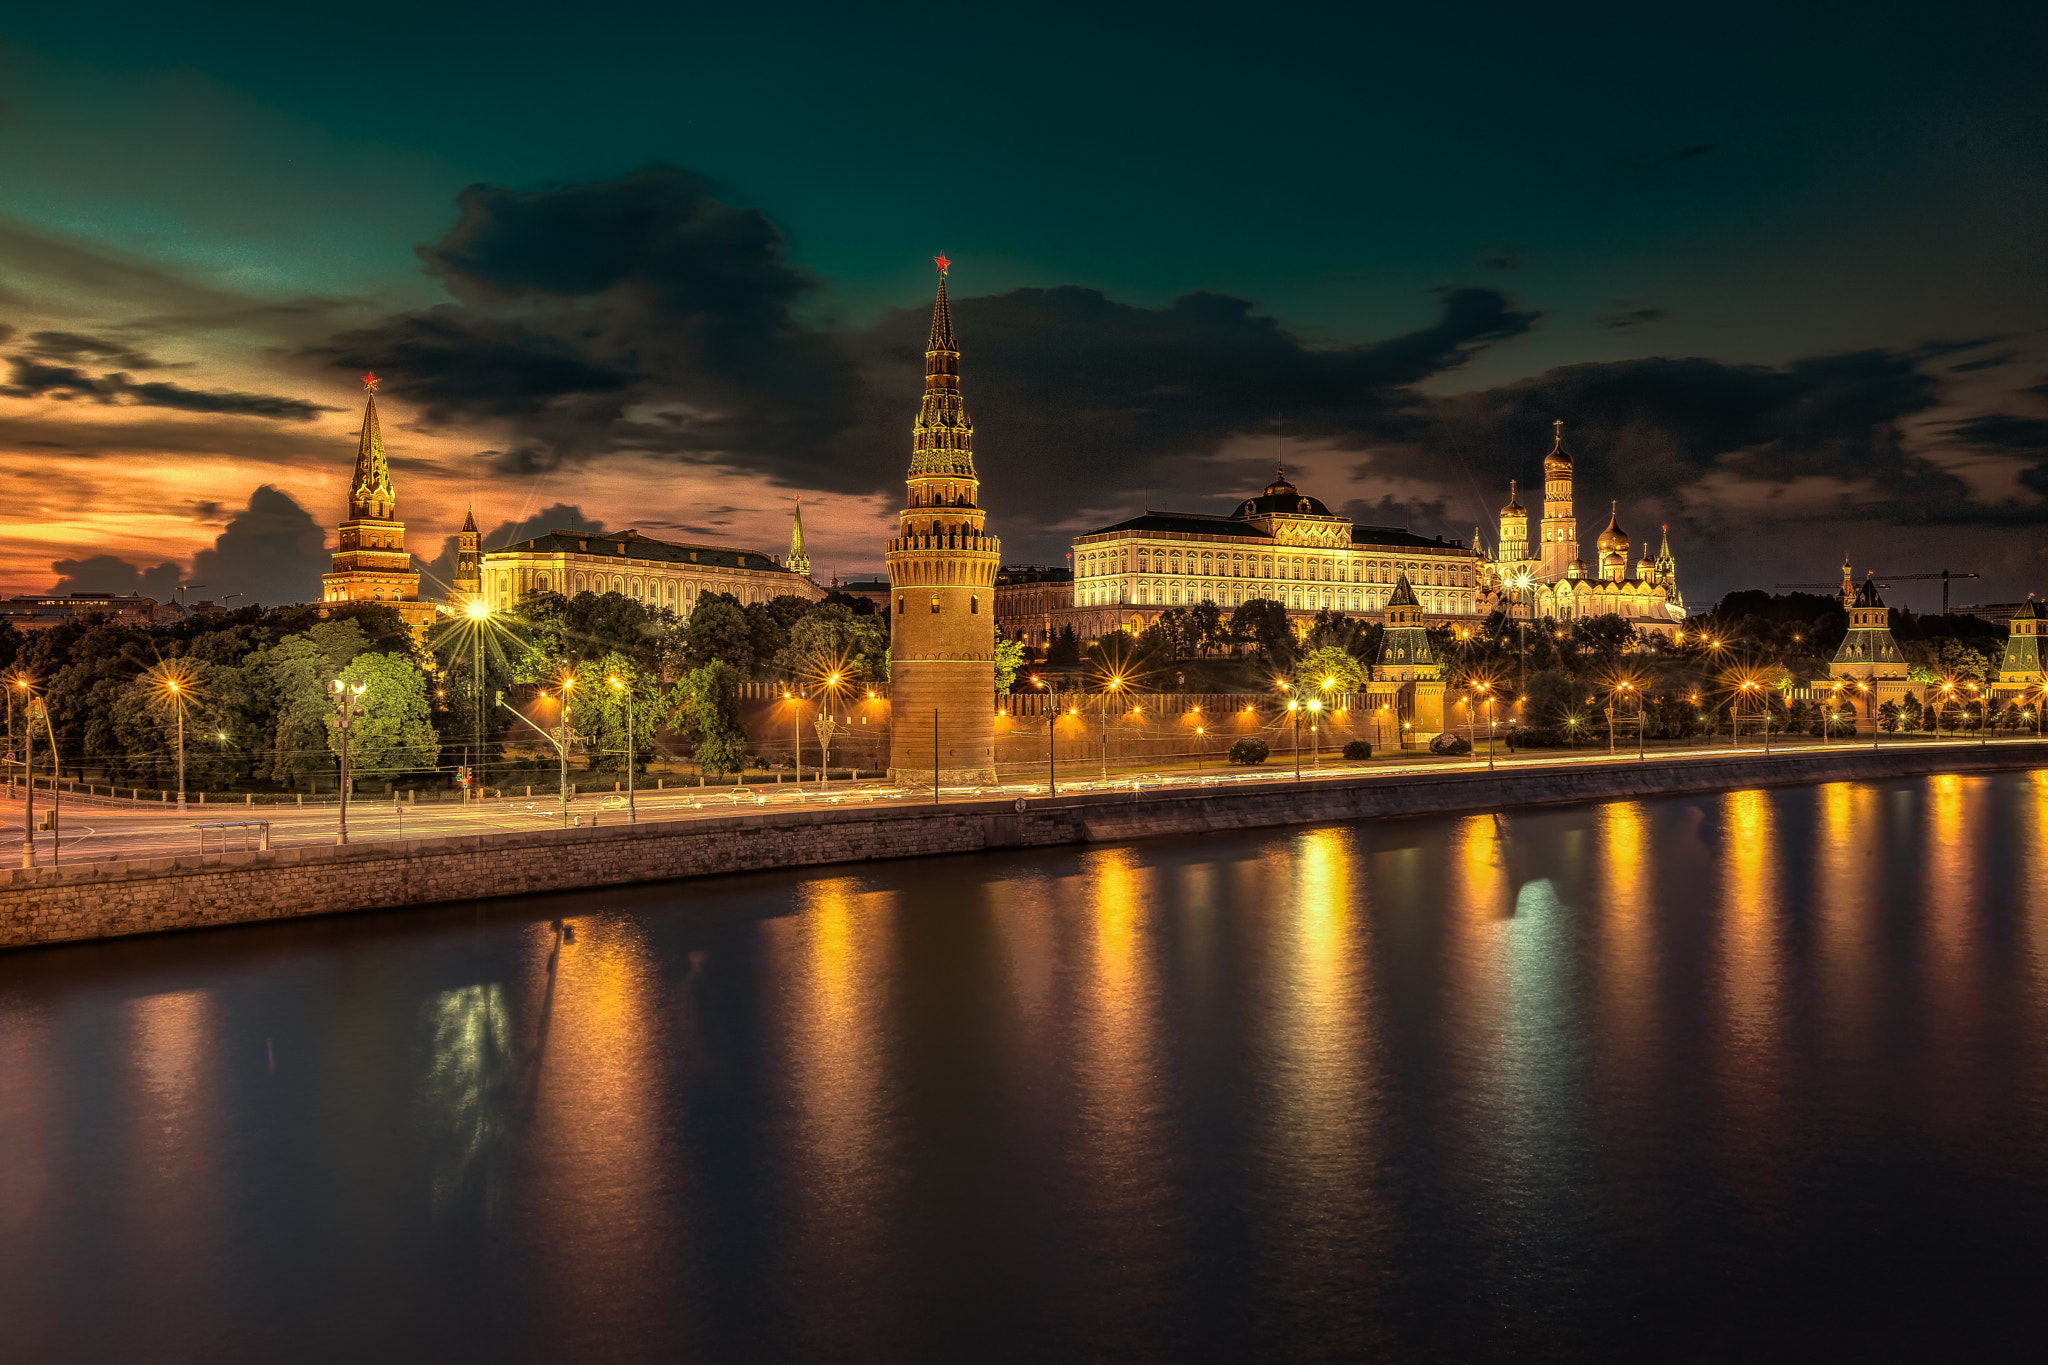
(943, 438)
(369, 495)
(798, 562)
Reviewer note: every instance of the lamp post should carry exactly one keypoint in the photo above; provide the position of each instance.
(1983, 715)
(796, 736)
(177, 691)
(826, 726)
(1294, 710)
(28, 776)
(568, 728)
(619, 686)
(347, 706)
(1052, 726)
(478, 614)
(1315, 736)
(1115, 685)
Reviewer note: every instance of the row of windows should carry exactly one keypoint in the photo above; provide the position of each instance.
(509, 585)
(1296, 599)
(1225, 564)
(973, 604)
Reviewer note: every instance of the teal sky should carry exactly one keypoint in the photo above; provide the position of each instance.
(1836, 220)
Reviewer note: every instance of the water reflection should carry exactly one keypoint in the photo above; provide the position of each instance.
(469, 1093)
(174, 1180)
(1749, 1061)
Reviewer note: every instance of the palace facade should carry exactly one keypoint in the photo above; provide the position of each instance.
(660, 573)
(1550, 581)
(1281, 545)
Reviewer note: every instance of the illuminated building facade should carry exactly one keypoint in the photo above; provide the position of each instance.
(659, 573)
(2023, 668)
(1027, 599)
(1281, 546)
(942, 579)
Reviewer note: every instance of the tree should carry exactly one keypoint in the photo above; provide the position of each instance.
(1009, 658)
(718, 630)
(1888, 717)
(1264, 623)
(601, 711)
(704, 706)
(296, 676)
(1064, 647)
(1205, 628)
(395, 733)
(1328, 670)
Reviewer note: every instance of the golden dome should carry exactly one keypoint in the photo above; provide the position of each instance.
(1559, 459)
(1613, 540)
(1514, 507)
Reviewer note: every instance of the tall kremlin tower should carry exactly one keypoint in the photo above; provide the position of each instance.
(370, 559)
(942, 576)
(469, 572)
(1560, 527)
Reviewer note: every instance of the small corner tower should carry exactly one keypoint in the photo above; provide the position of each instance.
(798, 561)
(1868, 650)
(468, 585)
(371, 563)
(942, 575)
(1406, 654)
(1560, 527)
(2023, 662)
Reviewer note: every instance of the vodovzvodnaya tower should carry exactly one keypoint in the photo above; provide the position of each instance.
(942, 575)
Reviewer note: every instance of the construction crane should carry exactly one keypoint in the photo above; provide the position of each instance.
(1885, 580)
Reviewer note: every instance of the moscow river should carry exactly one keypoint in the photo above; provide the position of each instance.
(1758, 1076)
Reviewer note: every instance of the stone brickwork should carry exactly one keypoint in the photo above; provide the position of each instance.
(107, 900)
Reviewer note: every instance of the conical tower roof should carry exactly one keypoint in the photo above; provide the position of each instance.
(943, 437)
(1867, 595)
(369, 494)
(469, 522)
(942, 315)
(1404, 595)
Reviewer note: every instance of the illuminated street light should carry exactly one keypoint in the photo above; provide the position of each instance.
(347, 707)
(619, 686)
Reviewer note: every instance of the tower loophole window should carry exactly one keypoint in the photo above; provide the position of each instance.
(974, 604)
(935, 604)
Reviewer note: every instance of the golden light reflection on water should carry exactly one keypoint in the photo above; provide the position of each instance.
(1751, 1063)
(1324, 1122)
(1950, 895)
(596, 1069)
(1847, 864)
(469, 1091)
(833, 955)
(1123, 1154)
(2032, 821)
(1625, 958)
(174, 1171)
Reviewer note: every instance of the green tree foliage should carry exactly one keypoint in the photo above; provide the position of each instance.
(1946, 658)
(832, 639)
(600, 710)
(719, 630)
(1328, 670)
(704, 708)
(1009, 658)
(394, 734)
(1064, 649)
(1263, 624)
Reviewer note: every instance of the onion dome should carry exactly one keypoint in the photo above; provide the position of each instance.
(1559, 460)
(1280, 487)
(1613, 540)
(1514, 507)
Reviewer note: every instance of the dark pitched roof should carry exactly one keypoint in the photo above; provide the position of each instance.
(1404, 594)
(1866, 596)
(631, 545)
(1188, 523)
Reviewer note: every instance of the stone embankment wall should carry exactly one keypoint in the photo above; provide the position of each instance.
(105, 900)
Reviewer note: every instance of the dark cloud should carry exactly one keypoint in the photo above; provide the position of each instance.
(110, 573)
(1989, 362)
(1676, 156)
(640, 313)
(2023, 436)
(439, 572)
(1502, 256)
(1620, 317)
(32, 378)
(1423, 516)
(75, 346)
(270, 552)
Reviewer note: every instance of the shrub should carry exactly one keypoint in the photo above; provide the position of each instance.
(1450, 745)
(1249, 751)
(1358, 748)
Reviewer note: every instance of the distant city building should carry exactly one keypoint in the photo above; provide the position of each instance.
(371, 563)
(660, 573)
(1551, 581)
(942, 573)
(1405, 652)
(1869, 664)
(875, 590)
(1027, 597)
(1281, 546)
(33, 612)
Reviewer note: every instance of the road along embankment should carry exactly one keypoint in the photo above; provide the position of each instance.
(108, 900)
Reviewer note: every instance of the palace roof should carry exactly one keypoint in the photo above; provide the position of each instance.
(631, 545)
(1203, 524)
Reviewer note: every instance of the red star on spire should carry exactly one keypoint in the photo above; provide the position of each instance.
(370, 382)
(943, 262)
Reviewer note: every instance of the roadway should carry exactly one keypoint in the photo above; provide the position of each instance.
(103, 832)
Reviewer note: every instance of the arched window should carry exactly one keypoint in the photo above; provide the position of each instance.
(901, 604)
(540, 582)
(974, 604)
(935, 604)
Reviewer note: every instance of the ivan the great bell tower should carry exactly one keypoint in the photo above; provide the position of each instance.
(942, 577)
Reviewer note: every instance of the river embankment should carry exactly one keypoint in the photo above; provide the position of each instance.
(48, 905)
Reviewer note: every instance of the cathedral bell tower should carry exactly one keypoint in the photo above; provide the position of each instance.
(942, 575)
(1560, 527)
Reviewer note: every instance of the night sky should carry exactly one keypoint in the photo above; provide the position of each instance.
(1782, 277)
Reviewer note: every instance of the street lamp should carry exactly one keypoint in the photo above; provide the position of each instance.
(176, 690)
(478, 613)
(1294, 710)
(1115, 684)
(28, 770)
(826, 726)
(1315, 738)
(619, 686)
(347, 707)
